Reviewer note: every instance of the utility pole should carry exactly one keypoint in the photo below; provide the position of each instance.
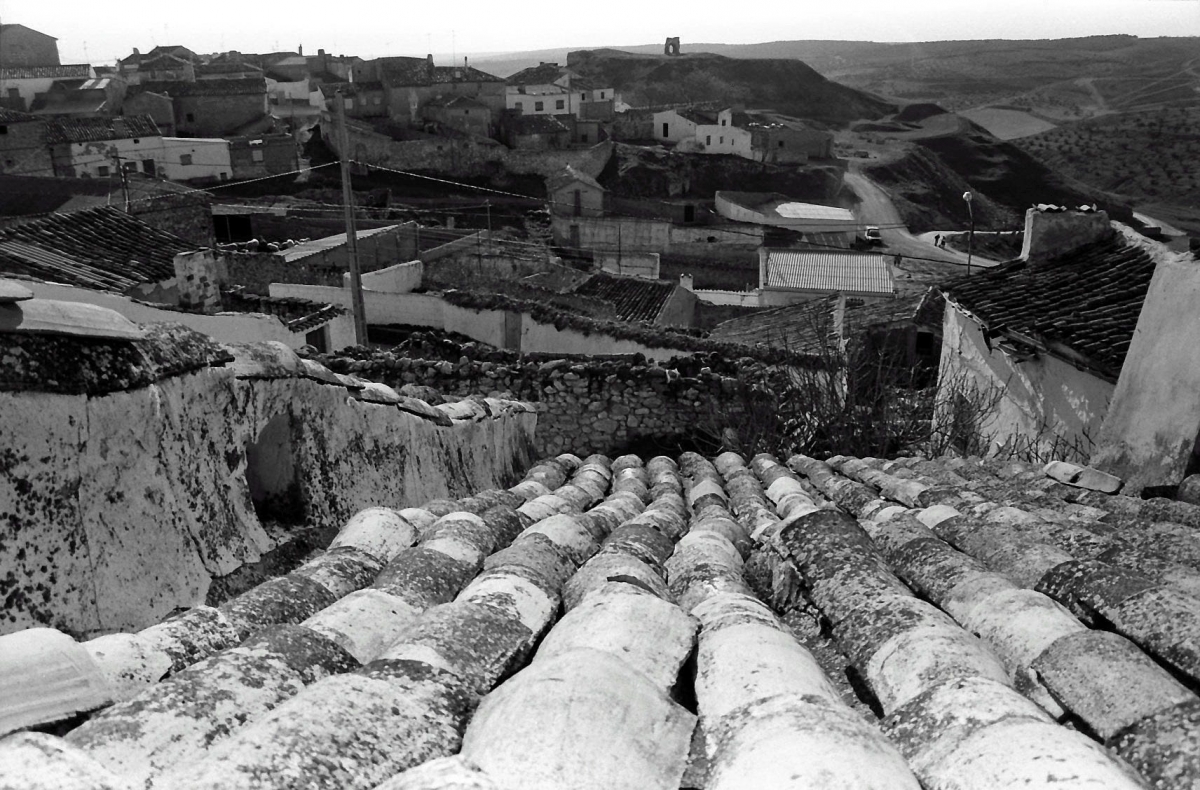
(488, 203)
(356, 295)
(124, 178)
(967, 196)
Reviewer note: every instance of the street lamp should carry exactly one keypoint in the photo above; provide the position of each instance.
(971, 237)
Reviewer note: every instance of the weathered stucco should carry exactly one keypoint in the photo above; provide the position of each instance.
(117, 507)
(1046, 402)
(1151, 429)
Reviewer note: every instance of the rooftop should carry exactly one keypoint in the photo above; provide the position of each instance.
(543, 74)
(849, 272)
(569, 175)
(402, 71)
(1001, 631)
(633, 298)
(101, 248)
(535, 124)
(1087, 301)
(316, 246)
(66, 71)
(94, 130)
(217, 87)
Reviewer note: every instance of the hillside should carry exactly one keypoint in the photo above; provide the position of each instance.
(788, 86)
(945, 155)
(1149, 155)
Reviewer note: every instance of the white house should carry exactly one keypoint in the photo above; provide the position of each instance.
(549, 89)
(98, 147)
(187, 158)
(24, 83)
(676, 126)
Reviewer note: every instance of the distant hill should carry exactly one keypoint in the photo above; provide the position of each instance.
(1061, 79)
(787, 86)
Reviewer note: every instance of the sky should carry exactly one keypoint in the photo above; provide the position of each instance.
(99, 33)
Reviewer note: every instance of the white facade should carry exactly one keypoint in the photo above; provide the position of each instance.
(670, 126)
(552, 99)
(28, 87)
(101, 159)
(185, 158)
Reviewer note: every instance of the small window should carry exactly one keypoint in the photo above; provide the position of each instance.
(520, 105)
(539, 106)
(102, 171)
(583, 137)
(708, 139)
(583, 97)
(559, 104)
(224, 176)
(129, 167)
(722, 141)
(185, 159)
(136, 141)
(665, 129)
(256, 155)
(781, 143)
(722, 121)
(148, 166)
(601, 94)
(191, 117)
(3, 130)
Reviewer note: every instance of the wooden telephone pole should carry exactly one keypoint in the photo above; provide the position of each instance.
(356, 295)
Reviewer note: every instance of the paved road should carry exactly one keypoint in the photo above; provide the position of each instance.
(877, 209)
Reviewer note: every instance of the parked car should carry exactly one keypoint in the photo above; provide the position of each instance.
(873, 236)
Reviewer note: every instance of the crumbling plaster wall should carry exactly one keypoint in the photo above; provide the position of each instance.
(117, 508)
(1151, 429)
(1045, 400)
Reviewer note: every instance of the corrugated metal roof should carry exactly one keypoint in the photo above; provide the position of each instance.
(793, 210)
(849, 272)
(328, 243)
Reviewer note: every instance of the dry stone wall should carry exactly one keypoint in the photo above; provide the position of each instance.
(610, 404)
(134, 474)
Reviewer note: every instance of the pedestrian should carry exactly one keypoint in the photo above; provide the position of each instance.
(937, 240)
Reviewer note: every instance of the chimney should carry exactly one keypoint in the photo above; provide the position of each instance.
(1054, 231)
(686, 281)
(118, 127)
(136, 52)
(320, 53)
(300, 50)
(198, 277)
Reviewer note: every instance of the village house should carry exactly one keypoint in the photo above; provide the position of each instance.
(228, 66)
(24, 46)
(213, 108)
(24, 149)
(463, 113)
(21, 85)
(161, 64)
(99, 147)
(749, 135)
(534, 132)
(196, 159)
(265, 155)
(1051, 329)
(360, 99)
(549, 89)
(82, 98)
(411, 82)
(157, 105)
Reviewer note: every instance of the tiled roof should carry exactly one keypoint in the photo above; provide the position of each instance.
(808, 327)
(1088, 301)
(226, 68)
(24, 195)
(300, 315)
(634, 298)
(403, 71)
(316, 246)
(943, 618)
(544, 74)
(15, 116)
(91, 130)
(237, 87)
(697, 116)
(100, 248)
(849, 272)
(570, 175)
(66, 71)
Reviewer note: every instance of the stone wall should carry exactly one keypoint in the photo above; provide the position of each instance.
(136, 474)
(606, 405)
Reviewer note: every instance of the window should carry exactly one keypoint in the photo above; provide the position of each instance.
(256, 155)
(578, 203)
(583, 97)
(559, 104)
(722, 121)
(191, 117)
(722, 141)
(3, 130)
(583, 137)
(708, 139)
(520, 105)
(781, 143)
(148, 166)
(185, 159)
(466, 112)
(102, 171)
(136, 141)
(225, 177)
(665, 133)
(129, 167)
(377, 101)
(601, 94)
(539, 106)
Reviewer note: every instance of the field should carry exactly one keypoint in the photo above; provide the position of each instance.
(1150, 155)
(1007, 124)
